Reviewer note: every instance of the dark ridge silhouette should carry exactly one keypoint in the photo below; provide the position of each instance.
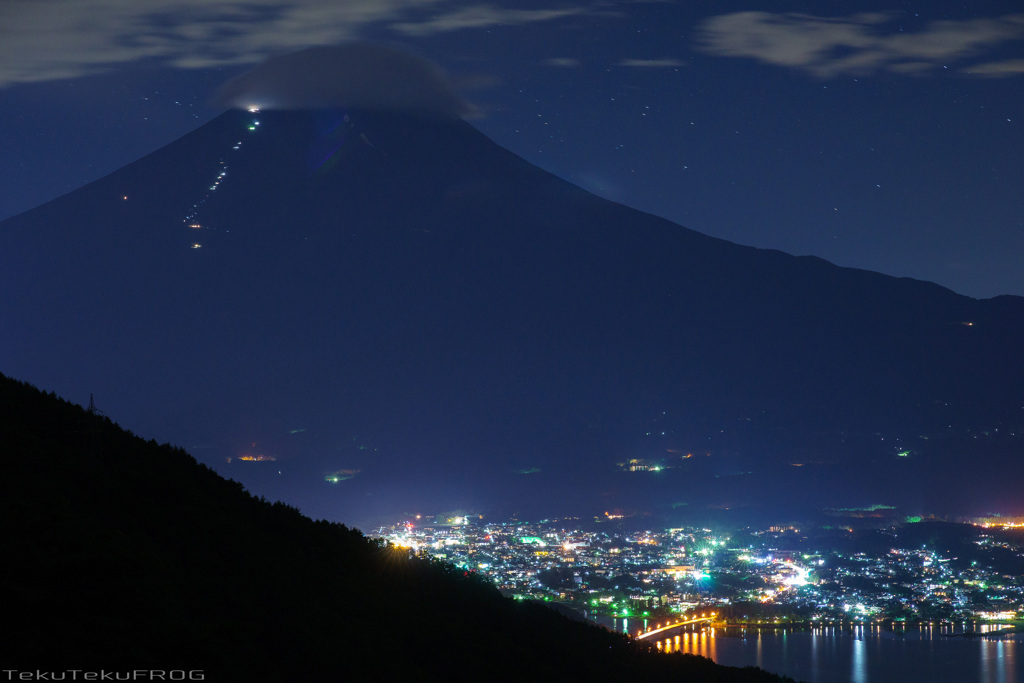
(122, 554)
(399, 297)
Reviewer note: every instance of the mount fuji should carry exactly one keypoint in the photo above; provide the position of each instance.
(369, 313)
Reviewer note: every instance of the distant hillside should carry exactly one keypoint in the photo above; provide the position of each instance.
(122, 554)
(401, 298)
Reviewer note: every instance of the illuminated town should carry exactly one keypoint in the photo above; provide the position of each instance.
(754, 578)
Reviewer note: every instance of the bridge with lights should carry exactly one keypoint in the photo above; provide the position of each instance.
(674, 626)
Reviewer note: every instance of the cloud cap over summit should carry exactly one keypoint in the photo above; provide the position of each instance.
(358, 75)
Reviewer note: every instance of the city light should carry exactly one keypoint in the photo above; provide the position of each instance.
(684, 574)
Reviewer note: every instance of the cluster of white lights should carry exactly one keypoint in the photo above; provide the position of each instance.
(191, 219)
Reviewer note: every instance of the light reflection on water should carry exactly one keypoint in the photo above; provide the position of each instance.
(859, 673)
(698, 642)
(862, 654)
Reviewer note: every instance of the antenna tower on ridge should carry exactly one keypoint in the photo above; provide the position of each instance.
(92, 409)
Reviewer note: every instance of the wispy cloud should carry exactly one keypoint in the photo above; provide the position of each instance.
(1010, 67)
(478, 16)
(856, 44)
(49, 39)
(668, 62)
(354, 74)
(564, 62)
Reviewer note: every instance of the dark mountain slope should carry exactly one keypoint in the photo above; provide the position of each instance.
(120, 554)
(436, 313)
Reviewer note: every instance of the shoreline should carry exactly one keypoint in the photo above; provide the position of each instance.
(898, 627)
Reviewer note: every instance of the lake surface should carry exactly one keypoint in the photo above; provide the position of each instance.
(863, 654)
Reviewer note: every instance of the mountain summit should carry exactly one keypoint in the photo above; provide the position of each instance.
(369, 313)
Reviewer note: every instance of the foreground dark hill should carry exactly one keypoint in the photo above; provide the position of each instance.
(120, 554)
(398, 303)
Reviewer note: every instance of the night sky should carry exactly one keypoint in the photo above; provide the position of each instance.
(884, 136)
